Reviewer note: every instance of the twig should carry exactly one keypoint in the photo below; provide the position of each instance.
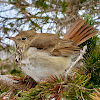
(8, 80)
(4, 79)
(82, 52)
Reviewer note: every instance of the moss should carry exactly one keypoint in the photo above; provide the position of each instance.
(17, 72)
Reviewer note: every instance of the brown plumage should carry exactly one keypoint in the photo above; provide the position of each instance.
(46, 54)
(80, 32)
(77, 34)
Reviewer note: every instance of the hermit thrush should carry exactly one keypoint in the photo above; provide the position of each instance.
(46, 54)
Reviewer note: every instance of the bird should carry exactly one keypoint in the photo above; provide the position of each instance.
(43, 54)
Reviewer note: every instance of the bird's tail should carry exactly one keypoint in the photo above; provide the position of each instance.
(80, 32)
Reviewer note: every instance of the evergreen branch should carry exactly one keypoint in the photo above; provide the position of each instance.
(95, 95)
(55, 87)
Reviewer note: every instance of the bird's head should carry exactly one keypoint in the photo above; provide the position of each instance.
(22, 41)
(23, 38)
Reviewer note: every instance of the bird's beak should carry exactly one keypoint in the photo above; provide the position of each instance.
(11, 38)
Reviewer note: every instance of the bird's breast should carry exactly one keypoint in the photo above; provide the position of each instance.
(38, 64)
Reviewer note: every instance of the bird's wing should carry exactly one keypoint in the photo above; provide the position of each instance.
(65, 47)
(54, 45)
(44, 41)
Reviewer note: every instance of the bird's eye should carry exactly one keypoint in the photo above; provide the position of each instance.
(24, 38)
